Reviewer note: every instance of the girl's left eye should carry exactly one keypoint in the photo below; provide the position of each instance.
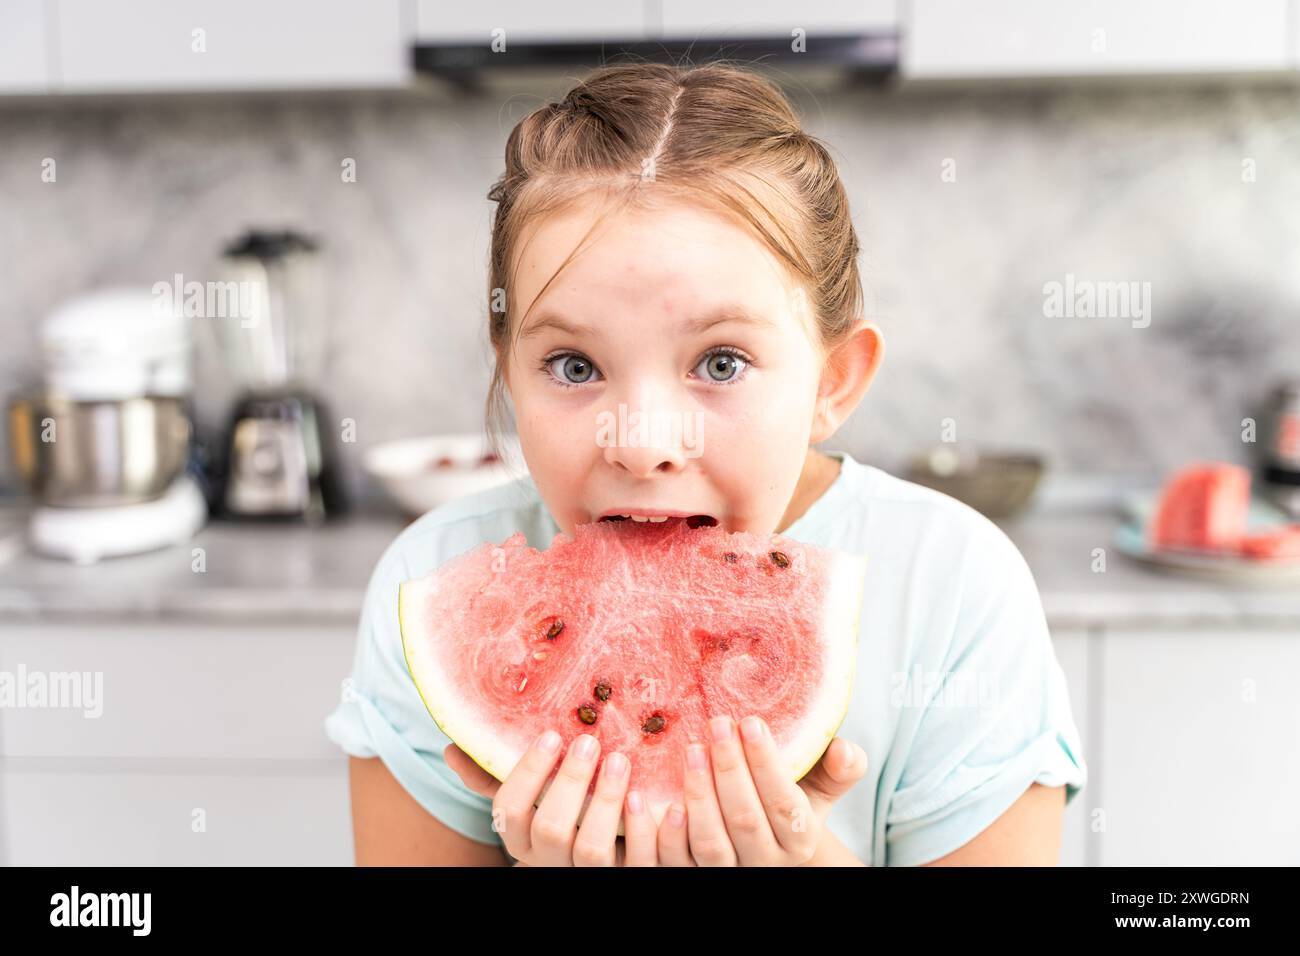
(724, 366)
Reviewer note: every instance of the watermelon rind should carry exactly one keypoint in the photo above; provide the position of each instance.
(419, 661)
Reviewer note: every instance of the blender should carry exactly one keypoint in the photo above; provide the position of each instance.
(280, 446)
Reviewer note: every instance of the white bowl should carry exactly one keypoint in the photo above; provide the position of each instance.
(422, 473)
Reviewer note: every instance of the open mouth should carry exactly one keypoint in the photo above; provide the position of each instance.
(692, 521)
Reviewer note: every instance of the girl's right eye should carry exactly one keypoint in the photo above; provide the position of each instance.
(570, 369)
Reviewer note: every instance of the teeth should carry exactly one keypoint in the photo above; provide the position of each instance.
(653, 519)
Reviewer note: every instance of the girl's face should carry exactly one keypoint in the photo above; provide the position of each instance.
(672, 368)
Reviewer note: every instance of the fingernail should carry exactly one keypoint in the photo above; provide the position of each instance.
(752, 728)
(721, 727)
(585, 747)
(634, 802)
(849, 755)
(676, 816)
(615, 766)
(549, 741)
(696, 759)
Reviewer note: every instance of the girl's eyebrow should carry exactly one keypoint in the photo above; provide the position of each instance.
(715, 316)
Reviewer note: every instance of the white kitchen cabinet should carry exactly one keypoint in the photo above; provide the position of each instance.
(713, 19)
(56, 815)
(457, 22)
(231, 45)
(226, 719)
(1073, 649)
(945, 39)
(24, 46)
(1200, 743)
(460, 21)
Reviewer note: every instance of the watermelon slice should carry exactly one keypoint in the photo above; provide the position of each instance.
(1203, 508)
(639, 634)
(1206, 508)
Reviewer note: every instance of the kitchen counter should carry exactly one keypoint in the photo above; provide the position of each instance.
(298, 574)
(1059, 549)
(283, 572)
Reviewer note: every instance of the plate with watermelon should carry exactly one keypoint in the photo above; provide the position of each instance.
(1205, 520)
(637, 633)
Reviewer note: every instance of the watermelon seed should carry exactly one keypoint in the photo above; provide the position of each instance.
(554, 630)
(730, 557)
(603, 690)
(780, 560)
(521, 685)
(654, 725)
(587, 714)
(539, 655)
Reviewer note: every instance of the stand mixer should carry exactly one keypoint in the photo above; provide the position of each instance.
(104, 445)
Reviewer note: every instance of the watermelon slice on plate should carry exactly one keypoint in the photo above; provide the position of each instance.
(639, 634)
(1205, 520)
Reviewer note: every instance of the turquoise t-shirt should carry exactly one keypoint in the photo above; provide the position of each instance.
(958, 699)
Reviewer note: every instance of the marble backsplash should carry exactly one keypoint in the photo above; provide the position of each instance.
(968, 204)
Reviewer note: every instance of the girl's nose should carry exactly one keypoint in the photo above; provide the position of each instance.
(644, 462)
(643, 443)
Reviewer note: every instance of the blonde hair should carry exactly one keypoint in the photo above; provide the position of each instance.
(713, 133)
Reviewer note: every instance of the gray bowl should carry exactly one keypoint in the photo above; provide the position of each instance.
(996, 484)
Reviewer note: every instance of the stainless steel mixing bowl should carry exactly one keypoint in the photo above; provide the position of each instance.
(87, 454)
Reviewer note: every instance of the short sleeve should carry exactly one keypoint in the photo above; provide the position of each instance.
(994, 716)
(382, 715)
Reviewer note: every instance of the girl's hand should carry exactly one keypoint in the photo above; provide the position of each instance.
(549, 834)
(747, 812)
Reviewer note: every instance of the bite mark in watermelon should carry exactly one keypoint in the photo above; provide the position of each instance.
(638, 634)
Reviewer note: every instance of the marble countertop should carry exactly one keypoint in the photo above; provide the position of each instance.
(1060, 550)
(298, 574)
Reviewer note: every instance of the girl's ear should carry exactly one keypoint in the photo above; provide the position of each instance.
(850, 367)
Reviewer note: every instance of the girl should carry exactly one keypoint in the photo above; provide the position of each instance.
(669, 242)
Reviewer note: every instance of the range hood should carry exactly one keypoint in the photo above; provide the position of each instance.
(858, 58)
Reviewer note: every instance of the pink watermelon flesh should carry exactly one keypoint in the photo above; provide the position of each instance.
(1202, 508)
(646, 630)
